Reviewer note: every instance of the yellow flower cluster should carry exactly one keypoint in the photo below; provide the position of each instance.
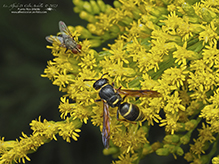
(165, 46)
(43, 132)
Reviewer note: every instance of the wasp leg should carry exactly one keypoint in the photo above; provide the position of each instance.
(124, 97)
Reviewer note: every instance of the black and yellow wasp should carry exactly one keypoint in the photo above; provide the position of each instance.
(111, 97)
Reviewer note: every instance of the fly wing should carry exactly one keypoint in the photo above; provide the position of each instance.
(54, 39)
(64, 29)
(106, 125)
(68, 39)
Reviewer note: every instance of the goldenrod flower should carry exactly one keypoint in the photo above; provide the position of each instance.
(68, 130)
(126, 159)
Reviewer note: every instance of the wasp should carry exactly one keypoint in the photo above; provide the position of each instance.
(111, 97)
(65, 39)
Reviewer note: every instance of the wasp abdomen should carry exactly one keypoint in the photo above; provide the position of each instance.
(131, 112)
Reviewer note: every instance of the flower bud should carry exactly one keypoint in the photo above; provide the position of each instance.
(189, 10)
(190, 125)
(83, 15)
(114, 29)
(87, 6)
(87, 16)
(95, 43)
(127, 20)
(215, 160)
(171, 148)
(108, 9)
(95, 7)
(136, 13)
(166, 2)
(101, 5)
(191, 19)
(111, 150)
(147, 149)
(145, 30)
(216, 24)
(156, 145)
(172, 138)
(106, 35)
(185, 139)
(163, 10)
(189, 157)
(196, 28)
(207, 15)
(92, 28)
(129, 72)
(162, 152)
(117, 4)
(179, 151)
(180, 127)
(151, 25)
(83, 31)
(146, 18)
(77, 9)
(78, 3)
(156, 11)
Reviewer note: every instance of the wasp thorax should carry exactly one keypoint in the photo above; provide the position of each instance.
(99, 83)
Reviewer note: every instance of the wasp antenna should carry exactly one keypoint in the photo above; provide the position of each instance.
(104, 75)
(89, 80)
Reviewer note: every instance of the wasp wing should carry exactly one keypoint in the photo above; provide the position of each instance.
(106, 125)
(138, 93)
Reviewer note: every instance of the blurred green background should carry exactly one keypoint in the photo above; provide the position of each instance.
(25, 95)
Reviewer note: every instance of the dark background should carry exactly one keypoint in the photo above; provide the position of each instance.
(25, 95)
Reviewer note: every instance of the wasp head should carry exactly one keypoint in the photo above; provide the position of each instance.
(99, 83)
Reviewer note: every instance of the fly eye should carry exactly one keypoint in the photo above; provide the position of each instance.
(78, 46)
(74, 51)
